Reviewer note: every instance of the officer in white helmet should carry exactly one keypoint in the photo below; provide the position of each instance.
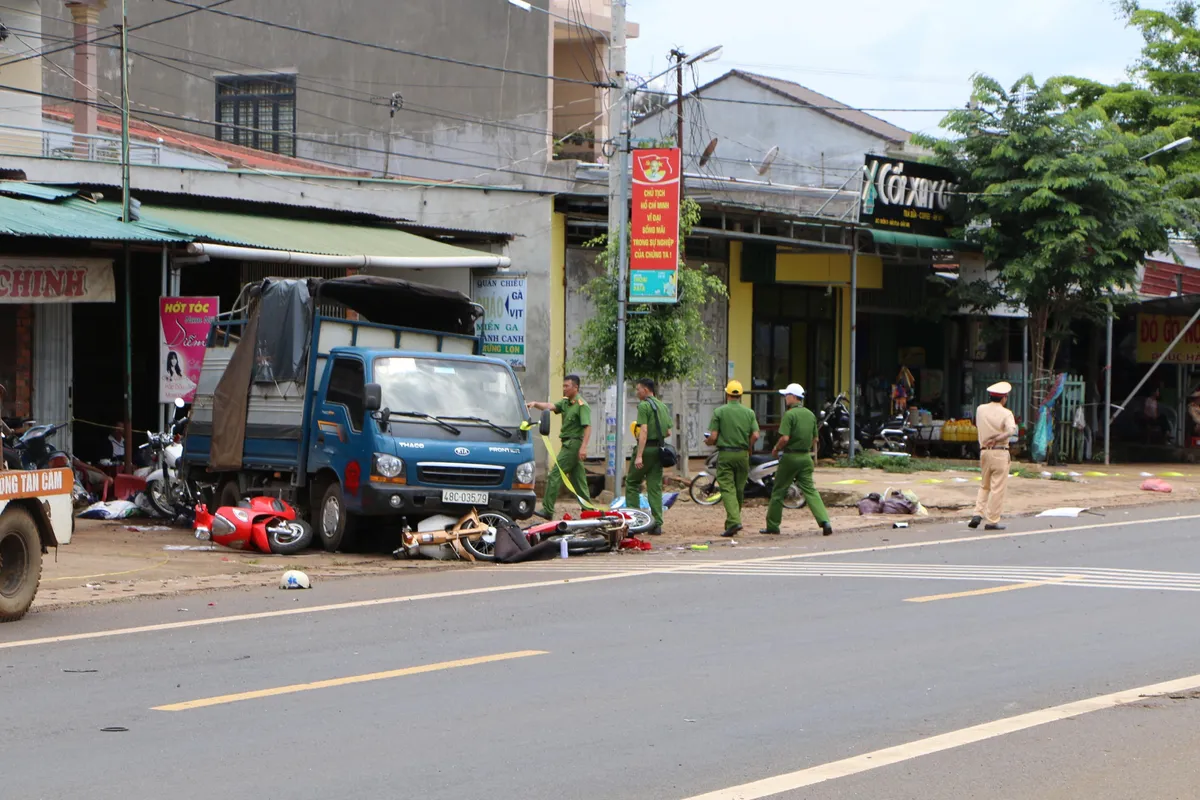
(796, 450)
(996, 426)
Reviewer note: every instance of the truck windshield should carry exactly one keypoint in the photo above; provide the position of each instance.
(444, 387)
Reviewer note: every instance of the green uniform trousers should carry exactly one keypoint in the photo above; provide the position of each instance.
(568, 463)
(797, 467)
(732, 471)
(651, 472)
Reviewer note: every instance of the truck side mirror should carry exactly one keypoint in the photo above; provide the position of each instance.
(544, 425)
(373, 396)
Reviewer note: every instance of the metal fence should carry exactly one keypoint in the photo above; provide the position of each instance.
(1070, 443)
(66, 144)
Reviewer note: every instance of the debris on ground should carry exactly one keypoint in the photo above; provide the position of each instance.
(1156, 485)
(1062, 512)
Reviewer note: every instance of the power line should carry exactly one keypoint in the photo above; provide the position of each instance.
(797, 105)
(385, 48)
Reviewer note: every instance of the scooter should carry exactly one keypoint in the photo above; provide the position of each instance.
(759, 483)
(264, 524)
(35, 450)
(833, 431)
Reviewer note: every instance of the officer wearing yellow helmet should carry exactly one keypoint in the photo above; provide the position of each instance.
(733, 431)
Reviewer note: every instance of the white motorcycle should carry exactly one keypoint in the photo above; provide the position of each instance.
(168, 494)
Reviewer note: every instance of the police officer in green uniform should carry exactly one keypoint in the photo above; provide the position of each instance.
(574, 433)
(733, 431)
(654, 426)
(795, 450)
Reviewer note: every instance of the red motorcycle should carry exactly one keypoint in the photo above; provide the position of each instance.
(265, 524)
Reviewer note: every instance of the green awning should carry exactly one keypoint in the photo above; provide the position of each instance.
(901, 239)
(74, 219)
(297, 235)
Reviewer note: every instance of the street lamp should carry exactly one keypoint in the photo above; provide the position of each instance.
(1179, 144)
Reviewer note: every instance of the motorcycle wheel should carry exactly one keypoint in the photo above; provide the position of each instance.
(156, 493)
(483, 546)
(579, 544)
(794, 497)
(639, 521)
(704, 490)
(289, 537)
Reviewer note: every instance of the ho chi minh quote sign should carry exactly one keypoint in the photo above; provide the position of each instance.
(907, 196)
(654, 233)
(56, 280)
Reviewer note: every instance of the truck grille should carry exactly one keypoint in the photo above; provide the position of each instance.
(460, 474)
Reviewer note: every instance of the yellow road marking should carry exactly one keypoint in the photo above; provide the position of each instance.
(1008, 587)
(353, 679)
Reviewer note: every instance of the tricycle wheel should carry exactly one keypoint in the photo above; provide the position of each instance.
(288, 537)
(20, 563)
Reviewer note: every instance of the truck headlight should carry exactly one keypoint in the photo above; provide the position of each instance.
(525, 472)
(388, 466)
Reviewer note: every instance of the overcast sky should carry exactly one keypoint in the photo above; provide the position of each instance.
(888, 54)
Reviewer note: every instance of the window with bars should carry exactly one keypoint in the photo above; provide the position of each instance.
(258, 111)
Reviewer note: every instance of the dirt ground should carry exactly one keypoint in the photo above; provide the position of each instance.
(108, 561)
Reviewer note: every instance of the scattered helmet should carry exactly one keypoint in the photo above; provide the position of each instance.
(294, 579)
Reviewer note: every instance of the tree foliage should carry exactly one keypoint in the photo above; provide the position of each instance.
(663, 342)
(1058, 201)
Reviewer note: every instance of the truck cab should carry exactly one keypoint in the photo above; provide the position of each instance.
(414, 433)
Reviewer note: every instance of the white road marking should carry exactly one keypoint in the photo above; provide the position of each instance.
(615, 572)
(791, 781)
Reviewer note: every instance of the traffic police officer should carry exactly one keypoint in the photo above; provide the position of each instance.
(795, 450)
(733, 431)
(574, 434)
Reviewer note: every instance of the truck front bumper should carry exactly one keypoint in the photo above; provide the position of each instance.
(385, 499)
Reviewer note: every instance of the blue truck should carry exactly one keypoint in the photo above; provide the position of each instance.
(363, 401)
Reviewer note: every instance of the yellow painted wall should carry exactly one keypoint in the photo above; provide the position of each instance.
(558, 310)
(828, 268)
(741, 319)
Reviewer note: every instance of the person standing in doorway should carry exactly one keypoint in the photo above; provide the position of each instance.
(796, 451)
(574, 434)
(653, 428)
(996, 426)
(733, 431)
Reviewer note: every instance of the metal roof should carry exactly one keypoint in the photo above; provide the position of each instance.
(73, 219)
(36, 190)
(300, 236)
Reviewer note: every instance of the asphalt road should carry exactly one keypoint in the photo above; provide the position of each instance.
(817, 675)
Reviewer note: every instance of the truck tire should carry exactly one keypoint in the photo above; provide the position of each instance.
(229, 495)
(20, 563)
(334, 526)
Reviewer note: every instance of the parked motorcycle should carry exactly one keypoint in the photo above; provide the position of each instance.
(37, 452)
(168, 493)
(265, 524)
(877, 433)
(759, 483)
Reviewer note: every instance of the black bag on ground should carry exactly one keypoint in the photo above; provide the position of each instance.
(512, 547)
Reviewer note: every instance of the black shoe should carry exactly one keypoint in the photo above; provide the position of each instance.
(732, 530)
(974, 523)
(769, 532)
(542, 515)
(655, 531)
(826, 529)
(996, 527)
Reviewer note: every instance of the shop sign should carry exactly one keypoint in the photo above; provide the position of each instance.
(15, 484)
(1156, 331)
(654, 233)
(56, 280)
(184, 323)
(503, 301)
(906, 196)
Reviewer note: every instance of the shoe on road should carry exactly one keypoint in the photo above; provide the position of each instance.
(772, 533)
(655, 531)
(996, 527)
(731, 531)
(826, 529)
(974, 523)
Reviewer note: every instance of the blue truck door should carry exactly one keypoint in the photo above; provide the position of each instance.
(338, 438)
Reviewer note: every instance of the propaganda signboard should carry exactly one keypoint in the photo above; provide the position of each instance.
(654, 233)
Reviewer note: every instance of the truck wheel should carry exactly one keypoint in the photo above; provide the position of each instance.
(229, 495)
(332, 521)
(20, 563)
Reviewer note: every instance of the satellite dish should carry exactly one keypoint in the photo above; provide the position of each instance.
(768, 160)
(708, 152)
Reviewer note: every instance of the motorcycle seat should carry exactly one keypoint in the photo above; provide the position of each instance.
(756, 459)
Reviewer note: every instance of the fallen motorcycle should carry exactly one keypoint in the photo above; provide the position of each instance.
(759, 483)
(264, 524)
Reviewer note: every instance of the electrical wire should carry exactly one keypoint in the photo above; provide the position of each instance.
(376, 46)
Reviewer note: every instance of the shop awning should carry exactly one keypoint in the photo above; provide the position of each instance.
(254, 237)
(74, 219)
(901, 239)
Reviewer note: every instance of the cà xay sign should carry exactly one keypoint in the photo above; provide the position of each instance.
(906, 196)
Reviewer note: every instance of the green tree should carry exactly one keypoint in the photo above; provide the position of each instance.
(663, 342)
(1059, 202)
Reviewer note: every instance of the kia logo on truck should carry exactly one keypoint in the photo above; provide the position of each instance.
(461, 451)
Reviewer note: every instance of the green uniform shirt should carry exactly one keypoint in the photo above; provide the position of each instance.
(800, 425)
(652, 428)
(733, 424)
(576, 415)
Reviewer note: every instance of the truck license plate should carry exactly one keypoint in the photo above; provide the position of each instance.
(464, 498)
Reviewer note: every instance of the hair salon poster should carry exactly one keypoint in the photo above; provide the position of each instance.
(183, 330)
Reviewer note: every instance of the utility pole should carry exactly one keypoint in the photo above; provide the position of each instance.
(125, 218)
(681, 391)
(618, 212)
